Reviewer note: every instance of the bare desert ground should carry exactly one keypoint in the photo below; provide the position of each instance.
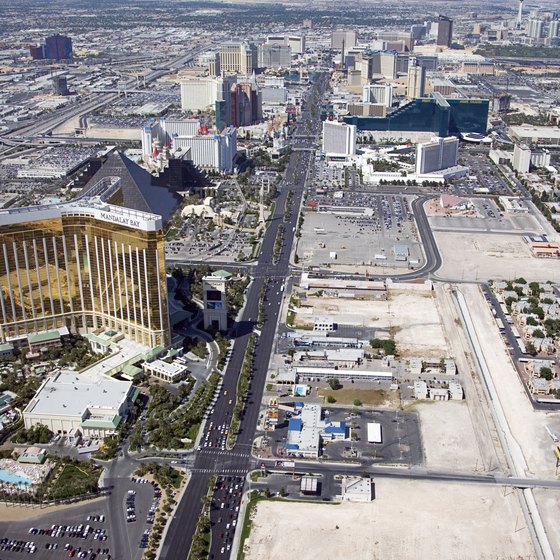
(408, 519)
(481, 257)
(448, 436)
(411, 318)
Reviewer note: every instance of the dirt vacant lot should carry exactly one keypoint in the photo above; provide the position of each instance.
(412, 319)
(369, 397)
(481, 257)
(408, 519)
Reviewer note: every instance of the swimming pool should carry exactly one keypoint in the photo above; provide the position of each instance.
(6, 476)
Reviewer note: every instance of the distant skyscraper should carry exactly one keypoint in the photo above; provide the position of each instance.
(416, 85)
(554, 30)
(418, 31)
(427, 61)
(343, 39)
(440, 153)
(374, 65)
(198, 93)
(295, 42)
(274, 56)
(37, 52)
(378, 93)
(58, 47)
(445, 31)
(521, 158)
(237, 58)
(60, 85)
(519, 21)
(245, 104)
(339, 138)
(535, 29)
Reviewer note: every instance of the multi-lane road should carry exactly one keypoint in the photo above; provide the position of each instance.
(237, 460)
(213, 459)
(88, 104)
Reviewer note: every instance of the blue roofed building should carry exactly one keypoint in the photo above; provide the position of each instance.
(308, 431)
(295, 424)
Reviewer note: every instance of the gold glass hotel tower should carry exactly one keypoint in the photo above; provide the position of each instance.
(84, 264)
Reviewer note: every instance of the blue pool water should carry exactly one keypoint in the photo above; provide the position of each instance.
(6, 476)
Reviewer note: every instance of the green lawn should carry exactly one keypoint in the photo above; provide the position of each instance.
(71, 475)
(74, 481)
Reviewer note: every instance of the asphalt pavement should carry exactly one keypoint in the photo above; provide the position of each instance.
(179, 536)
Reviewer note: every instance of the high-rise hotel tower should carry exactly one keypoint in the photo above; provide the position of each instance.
(84, 264)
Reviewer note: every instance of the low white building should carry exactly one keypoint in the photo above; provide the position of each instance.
(307, 431)
(420, 390)
(415, 366)
(455, 391)
(357, 489)
(323, 324)
(168, 372)
(69, 402)
(439, 394)
(513, 205)
(326, 373)
(449, 366)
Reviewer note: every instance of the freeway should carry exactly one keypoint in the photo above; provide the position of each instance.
(94, 101)
(181, 530)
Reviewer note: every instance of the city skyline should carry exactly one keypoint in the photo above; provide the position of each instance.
(262, 258)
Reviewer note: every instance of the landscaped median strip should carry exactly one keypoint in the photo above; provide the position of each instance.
(243, 383)
(202, 539)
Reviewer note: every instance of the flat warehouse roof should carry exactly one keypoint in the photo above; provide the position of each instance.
(70, 394)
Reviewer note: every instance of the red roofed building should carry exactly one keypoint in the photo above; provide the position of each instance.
(454, 202)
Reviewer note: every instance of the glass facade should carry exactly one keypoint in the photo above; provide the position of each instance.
(79, 271)
(443, 117)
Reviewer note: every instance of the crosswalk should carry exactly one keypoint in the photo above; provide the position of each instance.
(219, 471)
(210, 451)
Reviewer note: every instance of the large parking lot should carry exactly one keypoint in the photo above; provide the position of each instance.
(400, 437)
(114, 527)
(486, 216)
(483, 175)
(328, 175)
(195, 241)
(79, 532)
(360, 229)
